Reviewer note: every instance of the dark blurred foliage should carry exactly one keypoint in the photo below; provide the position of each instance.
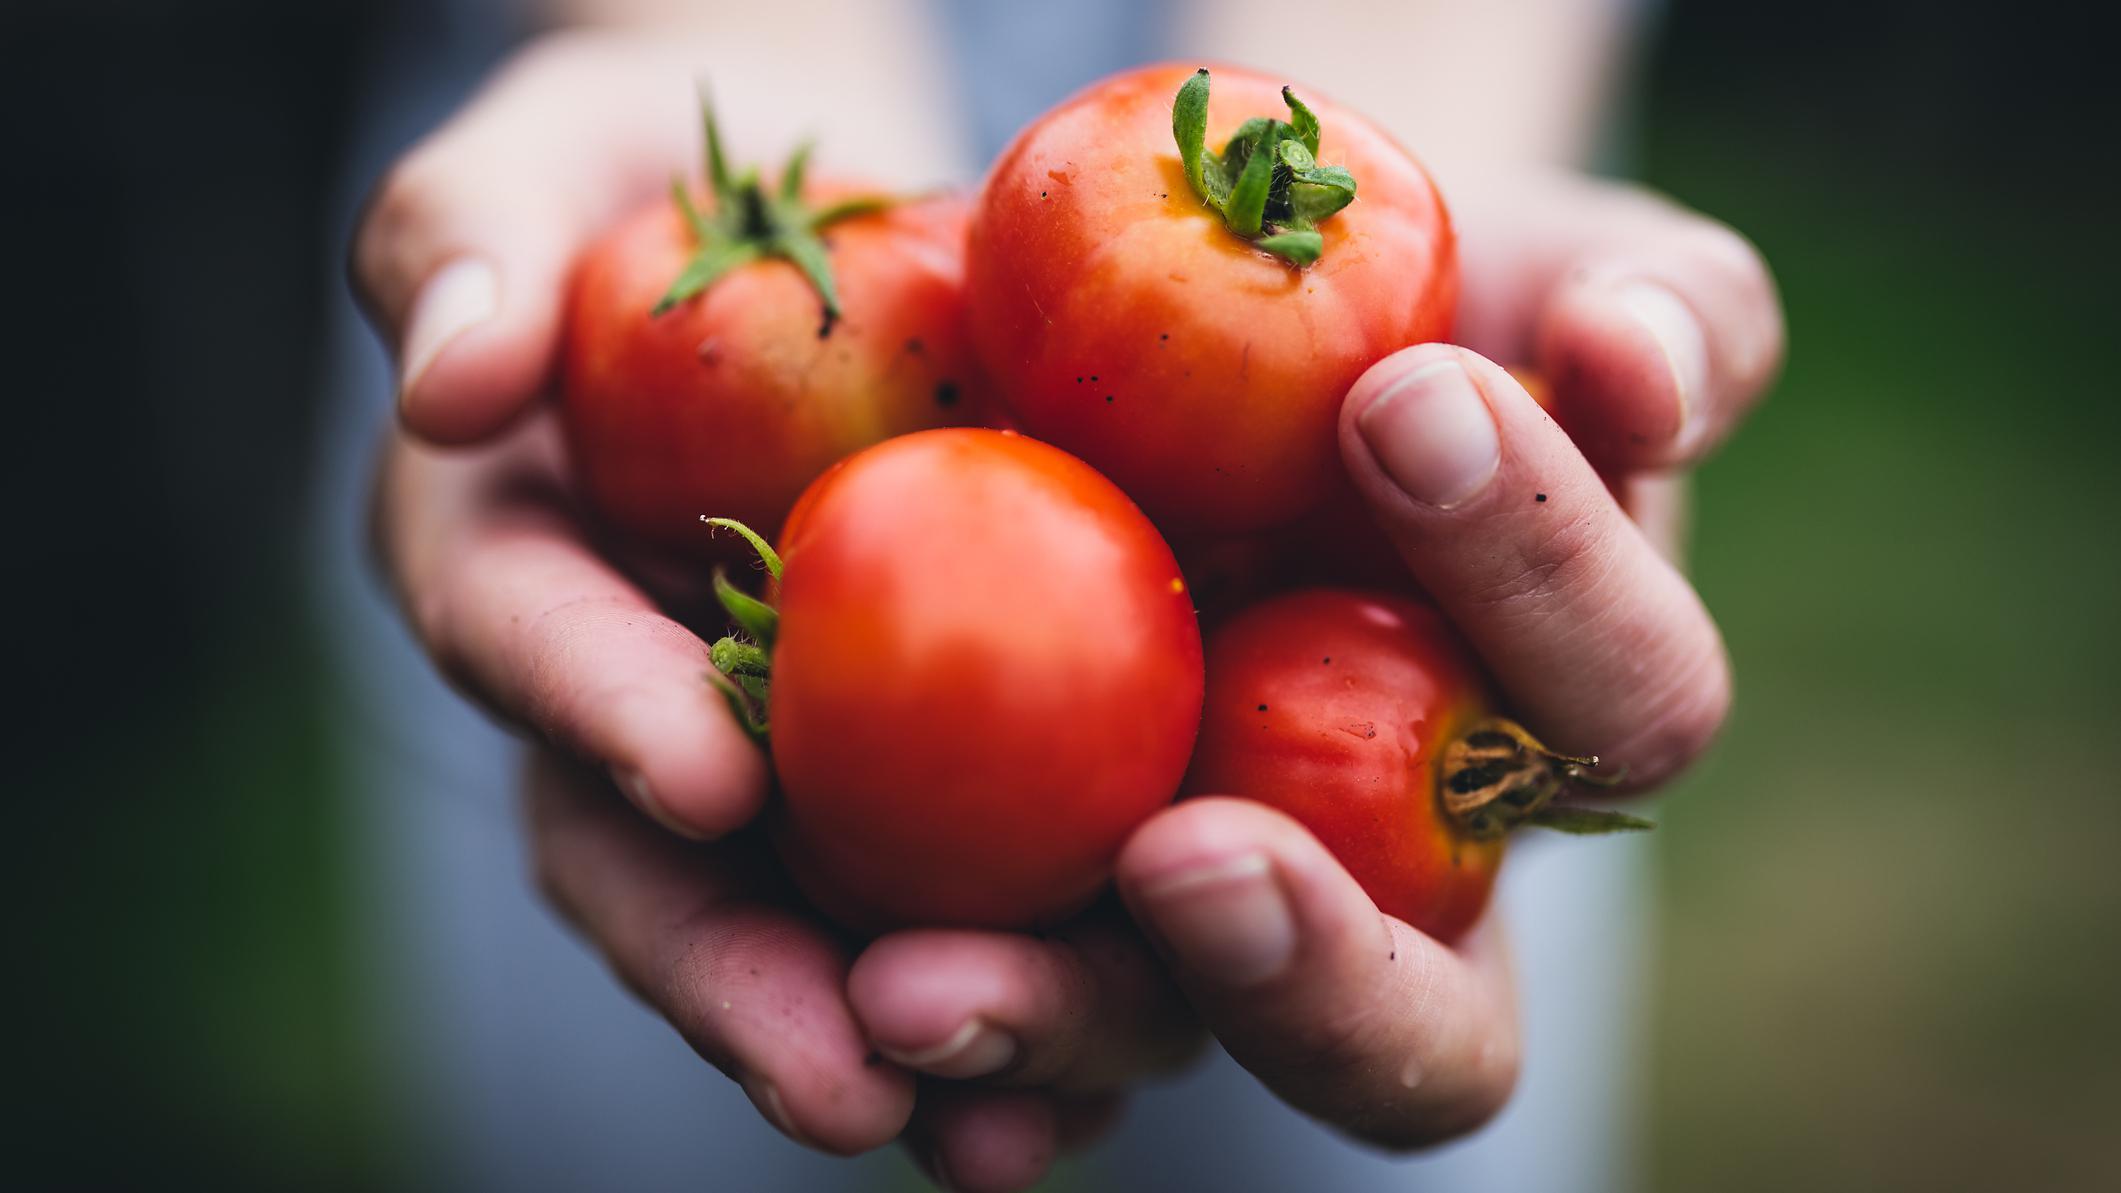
(171, 257)
(1890, 898)
(1889, 955)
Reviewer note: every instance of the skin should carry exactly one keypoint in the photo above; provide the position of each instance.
(650, 402)
(988, 673)
(1127, 325)
(503, 587)
(1333, 707)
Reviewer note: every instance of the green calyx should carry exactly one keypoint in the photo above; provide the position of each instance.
(750, 223)
(1266, 182)
(743, 661)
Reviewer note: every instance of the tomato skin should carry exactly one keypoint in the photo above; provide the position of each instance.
(1126, 324)
(1333, 706)
(988, 672)
(730, 403)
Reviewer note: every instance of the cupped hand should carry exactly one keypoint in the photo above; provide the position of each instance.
(1659, 329)
(461, 261)
(692, 912)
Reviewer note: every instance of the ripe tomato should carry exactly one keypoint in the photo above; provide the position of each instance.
(735, 397)
(1365, 719)
(1338, 545)
(985, 672)
(1128, 320)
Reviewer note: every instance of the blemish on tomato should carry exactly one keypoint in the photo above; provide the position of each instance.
(1541, 497)
(1178, 584)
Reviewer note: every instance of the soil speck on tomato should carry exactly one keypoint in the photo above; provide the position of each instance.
(1540, 497)
(1262, 708)
(1108, 397)
(946, 394)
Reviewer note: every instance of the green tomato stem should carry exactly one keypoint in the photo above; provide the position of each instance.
(1266, 183)
(750, 224)
(743, 662)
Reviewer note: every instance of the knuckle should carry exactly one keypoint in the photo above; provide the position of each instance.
(1735, 266)
(398, 217)
(1725, 251)
(561, 51)
(1341, 1038)
(1679, 721)
(547, 875)
(1549, 570)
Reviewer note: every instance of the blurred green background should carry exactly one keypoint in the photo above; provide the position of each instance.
(1890, 899)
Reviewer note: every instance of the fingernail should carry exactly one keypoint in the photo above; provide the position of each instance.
(1227, 921)
(1433, 434)
(1671, 322)
(974, 1050)
(767, 1097)
(461, 294)
(635, 785)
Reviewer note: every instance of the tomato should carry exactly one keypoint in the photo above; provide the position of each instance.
(1365, 718)
(1127, 320)
(732, 399)
(985, 672)
(1337, 545)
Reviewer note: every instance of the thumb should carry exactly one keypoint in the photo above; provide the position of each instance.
(1342, 1011)
(1601, 645)
(462, 252)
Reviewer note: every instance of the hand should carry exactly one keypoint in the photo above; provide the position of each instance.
(460, 261)
(1660, 329)
(512, 600)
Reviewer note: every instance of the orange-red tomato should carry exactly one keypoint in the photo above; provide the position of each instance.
(730, 402)
(1124, 322)
(987, 672)
(1337, 708)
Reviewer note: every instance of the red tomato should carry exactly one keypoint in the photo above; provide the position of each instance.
(1365, 719)
(731, 401)
(986, 673)
(1339, 545)
(1126, 322)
